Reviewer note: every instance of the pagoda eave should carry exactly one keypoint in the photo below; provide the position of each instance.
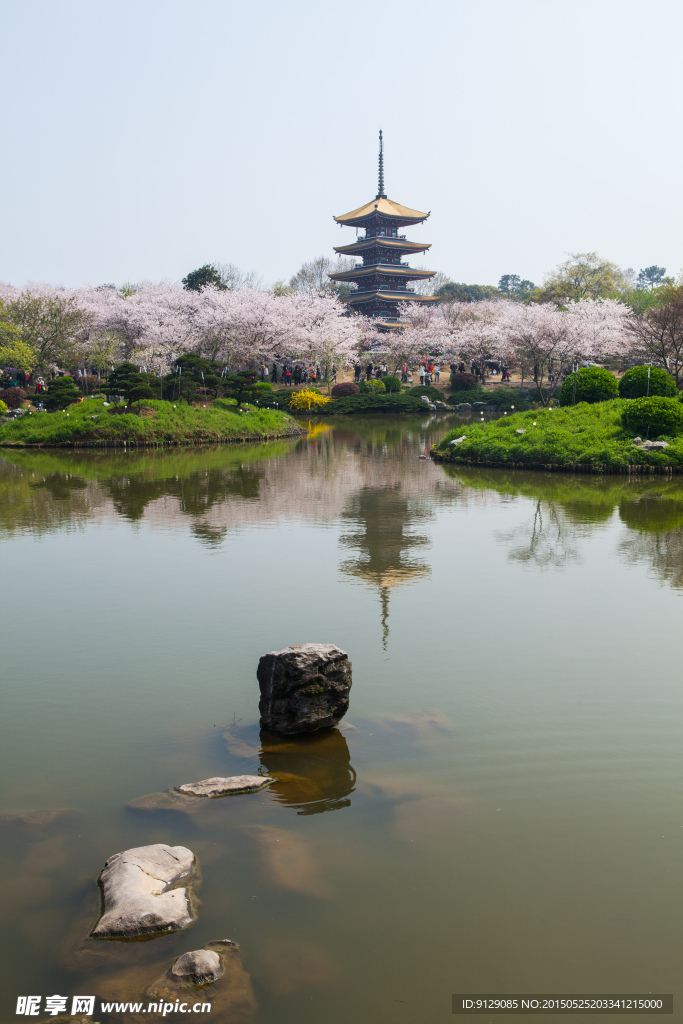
(380, 242)
(360, 298)
(382, 206)
(386, 269)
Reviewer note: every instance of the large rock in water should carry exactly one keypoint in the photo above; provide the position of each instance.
(136, 896)
(304, 688)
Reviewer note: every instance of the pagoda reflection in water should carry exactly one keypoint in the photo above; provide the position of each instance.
(382, 516)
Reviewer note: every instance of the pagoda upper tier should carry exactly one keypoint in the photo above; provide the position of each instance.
(382, 278)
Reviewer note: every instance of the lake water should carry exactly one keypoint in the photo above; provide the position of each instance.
(502, 810)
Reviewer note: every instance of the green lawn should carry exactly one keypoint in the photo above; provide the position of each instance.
(582, 435)
(93, 423)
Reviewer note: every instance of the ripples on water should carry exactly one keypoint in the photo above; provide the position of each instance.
(501, 811)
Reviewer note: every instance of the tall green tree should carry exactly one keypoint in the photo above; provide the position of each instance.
(452, 291)
(583, 276)
(515, 287)
(50, 326)
(204, 276)
(651, 277)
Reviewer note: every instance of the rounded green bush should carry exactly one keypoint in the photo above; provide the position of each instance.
(653, 417)
(634, 383)
(368, 386)
(3, 408)
(392, 385)
(589, 384)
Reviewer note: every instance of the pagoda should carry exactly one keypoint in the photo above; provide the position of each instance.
(382, 279)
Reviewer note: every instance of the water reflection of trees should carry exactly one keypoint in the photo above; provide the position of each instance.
(546, 540)
(567, 507)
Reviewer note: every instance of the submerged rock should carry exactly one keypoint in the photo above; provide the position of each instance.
(224, 787)
(38, 818)
(217, 971)
(200, 967)
(304, 688)
(136, 893)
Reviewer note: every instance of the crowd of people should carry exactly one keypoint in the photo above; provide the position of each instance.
(293, 375)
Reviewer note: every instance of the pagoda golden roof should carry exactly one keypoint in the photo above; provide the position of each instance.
(383, 242)
(389, 269)
(384, 206)
(387, 293)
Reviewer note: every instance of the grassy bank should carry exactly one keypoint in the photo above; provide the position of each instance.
(577, 437)
(94, 424)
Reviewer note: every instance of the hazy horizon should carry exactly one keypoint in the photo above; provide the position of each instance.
(143, 141)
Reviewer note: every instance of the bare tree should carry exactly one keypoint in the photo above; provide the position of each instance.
(658, 333)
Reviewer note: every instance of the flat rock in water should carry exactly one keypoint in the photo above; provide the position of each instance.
(136, 892)
(304, 688)
(224, 787)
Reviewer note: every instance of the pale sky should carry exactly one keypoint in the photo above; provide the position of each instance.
(143, 139)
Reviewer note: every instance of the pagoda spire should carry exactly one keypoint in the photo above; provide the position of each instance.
(380, 191)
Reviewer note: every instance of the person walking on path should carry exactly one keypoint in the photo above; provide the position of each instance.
(357, 370)
(404, 374)
(422, 373)
(288, 377)
(437, 373)
(368, 371)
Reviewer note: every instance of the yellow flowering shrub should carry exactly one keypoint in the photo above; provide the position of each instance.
(307, 400)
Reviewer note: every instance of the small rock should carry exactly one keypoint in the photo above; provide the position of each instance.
(223, 787)
(422, 456)
(424, 398)
(432, 407)
(136, 895)
(647, 446)
(304, 688)
(458, 440)
(478, 405)
(520, 430)
(464, 407)
(200, 967)
(637, 440)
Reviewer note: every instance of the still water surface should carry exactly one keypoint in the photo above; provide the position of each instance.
(502, 810)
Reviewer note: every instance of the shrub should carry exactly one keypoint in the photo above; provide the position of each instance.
(342, 390)
(3, 408)
(369, 386)
(408, 402)
(463, 381)
(589, 384)
(307, 400)
(61, 393)
(635, 384)
(93, 384)
(433, 394)
(392, 385)
(653, 417)
(264, 388)
(13, 397)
